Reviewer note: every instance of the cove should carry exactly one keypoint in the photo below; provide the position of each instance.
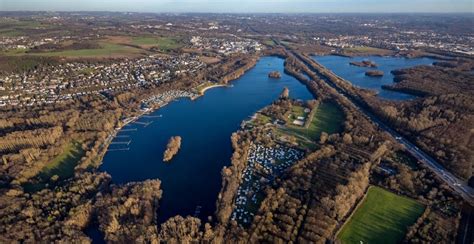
(356, 75)
(193, 177)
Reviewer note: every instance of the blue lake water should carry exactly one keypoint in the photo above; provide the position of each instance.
(206, 124)
(341, 67)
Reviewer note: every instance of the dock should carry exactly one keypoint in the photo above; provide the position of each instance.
(121, 142)
(125, 130)
(122, 136)
(118, 149)
(145, 124)
(152, 116)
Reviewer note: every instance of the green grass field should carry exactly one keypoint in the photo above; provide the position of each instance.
(163, 43)
(10, 32)
(14, 52)
(367, 50)
(62, 165)
(269, 43)
(106, 50)
(297, 111)
(383, 217)
(328, 118)
(110, 47)
(11, 27)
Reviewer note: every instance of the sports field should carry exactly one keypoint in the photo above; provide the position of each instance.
(382, 217)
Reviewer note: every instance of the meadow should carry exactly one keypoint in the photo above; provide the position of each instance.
(382, 217)
(327, 118)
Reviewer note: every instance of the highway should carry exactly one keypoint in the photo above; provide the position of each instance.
(459, 186)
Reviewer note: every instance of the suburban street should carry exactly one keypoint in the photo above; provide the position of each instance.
(459, 186)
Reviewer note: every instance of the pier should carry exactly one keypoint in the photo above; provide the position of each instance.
(122, 136)
(121, 142)
(118, 149)
(152, 116)
(145, 124)
(125, 130)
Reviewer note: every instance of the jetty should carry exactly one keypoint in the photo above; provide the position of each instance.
(145, 124)
(122, 136)
(121, 142)
(125, 130)
(152, 116)
(118, 149)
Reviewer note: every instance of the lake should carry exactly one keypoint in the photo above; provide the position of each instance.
(356, 75)
(193, 177)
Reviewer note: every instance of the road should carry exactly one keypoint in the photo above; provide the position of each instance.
(459, 186)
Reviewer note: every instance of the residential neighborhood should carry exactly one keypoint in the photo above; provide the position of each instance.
(75, 79)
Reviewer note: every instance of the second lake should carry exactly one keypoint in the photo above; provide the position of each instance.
(356, 75)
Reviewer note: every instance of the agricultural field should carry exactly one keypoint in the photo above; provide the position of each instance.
(355, 51)
(269, 42)
(382, 217)
(111, 47)
(162, 43)
(105, 50)
(12, 27)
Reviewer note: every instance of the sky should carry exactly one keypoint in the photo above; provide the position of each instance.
(243, 6)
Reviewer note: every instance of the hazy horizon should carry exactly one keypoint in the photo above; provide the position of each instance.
(244, 6)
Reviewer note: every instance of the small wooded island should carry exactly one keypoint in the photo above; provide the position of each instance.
(365, 63)
(174, 144)
(274, 75)
(374, 73)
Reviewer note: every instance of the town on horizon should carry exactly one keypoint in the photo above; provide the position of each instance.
(246, 6)
(190, 126)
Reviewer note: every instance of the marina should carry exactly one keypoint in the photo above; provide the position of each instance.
(206, 146)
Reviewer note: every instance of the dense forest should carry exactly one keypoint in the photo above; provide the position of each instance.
(441, 120)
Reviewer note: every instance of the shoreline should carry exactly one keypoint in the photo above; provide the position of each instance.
(112, 135)
(393, 55)
(203, 91)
